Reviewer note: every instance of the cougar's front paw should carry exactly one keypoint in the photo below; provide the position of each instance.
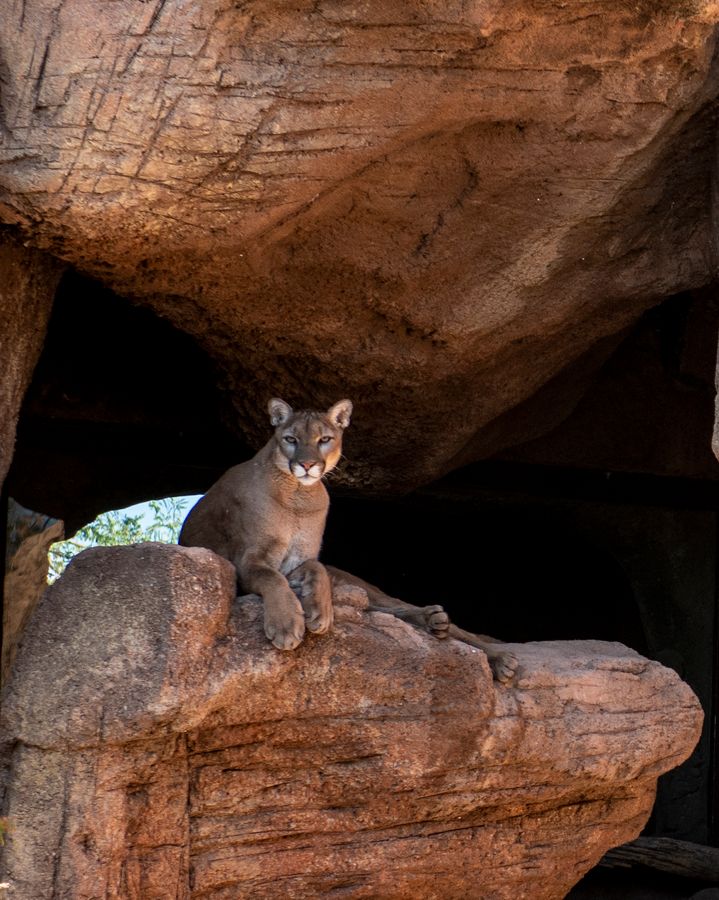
(311, 585)
(436, 620)
(504, 665)
(285, 623)
(319, 615)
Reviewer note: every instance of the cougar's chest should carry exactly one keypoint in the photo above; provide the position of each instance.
(303, 513)
(304, 542)
(299, 550)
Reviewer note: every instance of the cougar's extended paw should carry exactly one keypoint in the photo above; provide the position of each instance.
(311, 585)
(285, 623)
(319, 617)
(285, 636)
(504, 666)
(436, 621)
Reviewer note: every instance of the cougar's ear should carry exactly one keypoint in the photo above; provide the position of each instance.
(279, 411)
(340, 413)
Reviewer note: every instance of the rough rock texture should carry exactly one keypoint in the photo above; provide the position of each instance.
(27, 284)
(159, 747)
(26, 566)
(447, 201)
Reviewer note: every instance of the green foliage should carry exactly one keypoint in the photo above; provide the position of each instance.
(115, 528)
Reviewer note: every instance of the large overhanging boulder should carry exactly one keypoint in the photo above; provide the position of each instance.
(161, 747)
(431, 208)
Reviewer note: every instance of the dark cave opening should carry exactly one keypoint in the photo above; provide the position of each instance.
(122, 407)
(605, 528)
(517, 571)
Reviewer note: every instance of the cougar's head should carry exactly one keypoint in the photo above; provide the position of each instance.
(308, 444)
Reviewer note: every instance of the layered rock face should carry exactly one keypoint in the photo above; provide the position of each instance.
(429, 207)
(28, 280)
(160, 747)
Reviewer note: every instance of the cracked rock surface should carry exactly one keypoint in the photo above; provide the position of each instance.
(28, 280)
(445, 203)
(157, 746)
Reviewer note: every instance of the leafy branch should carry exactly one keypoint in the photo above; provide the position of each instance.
(117, 528)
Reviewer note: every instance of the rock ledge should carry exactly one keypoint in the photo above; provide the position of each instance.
(159, 747)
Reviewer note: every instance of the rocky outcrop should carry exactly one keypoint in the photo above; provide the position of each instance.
(30, 536)
(430, 208)
(159, 747)
(27, 284)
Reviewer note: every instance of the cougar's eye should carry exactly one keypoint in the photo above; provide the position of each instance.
(325, 440)
(289, 438)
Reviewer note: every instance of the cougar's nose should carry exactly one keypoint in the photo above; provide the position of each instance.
(307, 465)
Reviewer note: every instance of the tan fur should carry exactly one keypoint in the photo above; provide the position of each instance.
(267, 516)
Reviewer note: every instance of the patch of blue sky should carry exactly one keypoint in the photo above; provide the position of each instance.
(145, 510)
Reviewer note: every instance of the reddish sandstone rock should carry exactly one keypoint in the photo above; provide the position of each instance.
(30, 536)
(158, 747)
(431, 208)
(28, 280)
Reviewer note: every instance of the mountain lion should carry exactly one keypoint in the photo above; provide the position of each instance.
(267, 516)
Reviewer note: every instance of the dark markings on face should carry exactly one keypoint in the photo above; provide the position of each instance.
(310, 443)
